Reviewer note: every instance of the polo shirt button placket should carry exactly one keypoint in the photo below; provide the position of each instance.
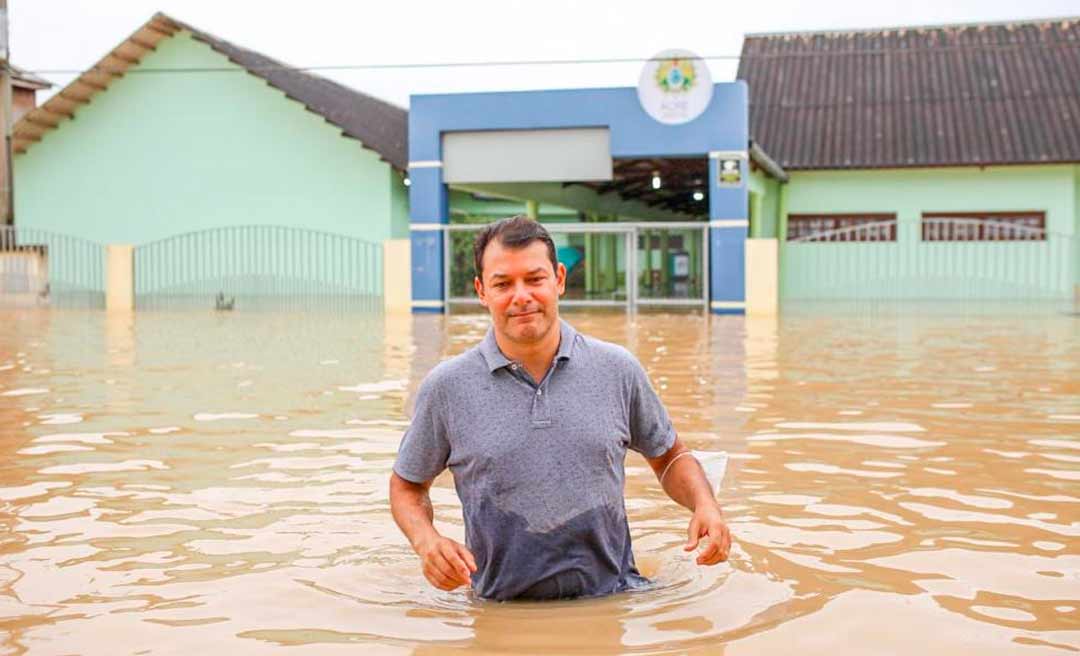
(540, 418)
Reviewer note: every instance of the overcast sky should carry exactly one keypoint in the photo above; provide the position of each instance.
(73, 34)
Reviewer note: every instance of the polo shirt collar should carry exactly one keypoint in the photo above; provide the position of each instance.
(567, 337)
(495, 359)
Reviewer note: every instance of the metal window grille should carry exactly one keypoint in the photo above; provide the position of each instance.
(984, 226)
(841, 227)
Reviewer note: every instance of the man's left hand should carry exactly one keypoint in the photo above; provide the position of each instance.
(708, 522)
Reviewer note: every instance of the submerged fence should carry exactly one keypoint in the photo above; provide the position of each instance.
(259, 267)
(42, 268)
(275, 267)
(933, 259)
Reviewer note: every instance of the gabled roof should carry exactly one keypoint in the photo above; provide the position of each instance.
(1006, 93)
(377, 124)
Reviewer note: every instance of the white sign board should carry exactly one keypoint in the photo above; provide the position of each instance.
(560, 155)
(675, 87)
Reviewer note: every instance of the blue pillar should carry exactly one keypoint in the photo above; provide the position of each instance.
(429, 213)
(729, 227)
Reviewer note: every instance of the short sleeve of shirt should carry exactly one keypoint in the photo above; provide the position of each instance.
(425, 447)
(651, 432)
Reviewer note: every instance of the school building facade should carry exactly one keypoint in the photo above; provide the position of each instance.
(908, 163)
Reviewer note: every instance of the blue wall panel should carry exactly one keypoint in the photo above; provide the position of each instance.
(728, 202)
(428, 199)
(727, 244)
(427, 265)
(723, 125)
(727, 268)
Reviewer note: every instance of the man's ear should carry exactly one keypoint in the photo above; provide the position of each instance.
(560, 278)
(479, 287)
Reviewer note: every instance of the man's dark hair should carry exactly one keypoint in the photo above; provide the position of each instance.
(513, 232)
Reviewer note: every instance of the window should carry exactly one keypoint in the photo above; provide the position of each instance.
(984, 226)
(841, 227)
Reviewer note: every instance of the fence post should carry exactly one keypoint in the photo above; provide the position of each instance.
(397, 275)
(120, 277)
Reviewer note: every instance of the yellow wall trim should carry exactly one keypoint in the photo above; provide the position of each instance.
(762, 276)
(397, 275)
(120, 277)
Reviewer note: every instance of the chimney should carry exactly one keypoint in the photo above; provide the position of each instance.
(24, 88)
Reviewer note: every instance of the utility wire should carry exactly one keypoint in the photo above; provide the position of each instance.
(562, 62)
(360, 67)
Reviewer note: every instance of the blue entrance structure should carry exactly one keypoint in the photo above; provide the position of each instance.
(719, 133)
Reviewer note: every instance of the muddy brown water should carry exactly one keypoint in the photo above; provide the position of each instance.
(901, 481)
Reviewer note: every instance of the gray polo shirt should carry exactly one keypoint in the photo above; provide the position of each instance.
(539, 467)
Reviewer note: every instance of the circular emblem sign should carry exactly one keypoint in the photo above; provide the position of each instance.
(675, 87)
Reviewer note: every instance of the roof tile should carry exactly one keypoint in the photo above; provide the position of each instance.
(377, 124)
(935, 96)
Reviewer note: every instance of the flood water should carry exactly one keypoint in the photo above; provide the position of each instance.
(901, 480)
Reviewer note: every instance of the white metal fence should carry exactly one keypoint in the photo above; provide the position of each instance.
(48, 269)
(259, 267)
(935, 258)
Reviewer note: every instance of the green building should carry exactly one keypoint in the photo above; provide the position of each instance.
(124, 155)
(905, 163)
(924, 162)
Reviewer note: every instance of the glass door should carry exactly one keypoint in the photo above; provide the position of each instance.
(607, 264)
(671, 264)
(598, 259)
(597, 263)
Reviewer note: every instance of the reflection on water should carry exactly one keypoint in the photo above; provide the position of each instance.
(897, 481)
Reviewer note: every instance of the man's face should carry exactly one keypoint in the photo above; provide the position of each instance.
(521, 290)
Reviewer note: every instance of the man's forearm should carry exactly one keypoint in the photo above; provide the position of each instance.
(685, 482)
(410, 504)
(446, 564)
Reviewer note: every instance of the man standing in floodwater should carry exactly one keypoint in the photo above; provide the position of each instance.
(534, 423)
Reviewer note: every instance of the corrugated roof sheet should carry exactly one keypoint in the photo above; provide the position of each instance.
(377, 124)
(909, 97)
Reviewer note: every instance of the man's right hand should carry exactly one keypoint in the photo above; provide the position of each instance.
(447, 564)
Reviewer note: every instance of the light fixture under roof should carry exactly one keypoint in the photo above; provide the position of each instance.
(699, 196)
(407, 181)
(656, 180)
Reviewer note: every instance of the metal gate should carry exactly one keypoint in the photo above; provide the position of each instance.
(48, 269)
(609, 264)
(259, 267)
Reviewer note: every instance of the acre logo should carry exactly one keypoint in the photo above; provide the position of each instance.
(675, 87)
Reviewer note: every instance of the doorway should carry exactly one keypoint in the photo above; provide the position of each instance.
(608, 264)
